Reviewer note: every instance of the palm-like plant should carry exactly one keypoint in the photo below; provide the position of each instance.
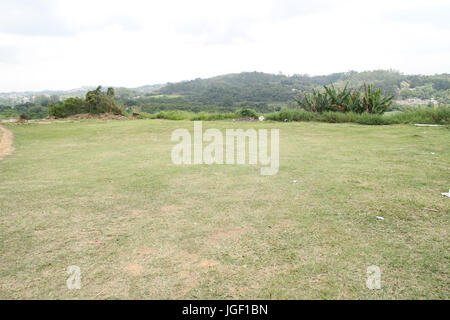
(315, 101)
(344, 100)
(339, 98)
(354, 103)
(373, 101)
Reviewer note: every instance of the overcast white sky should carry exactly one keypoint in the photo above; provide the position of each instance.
(51, 44)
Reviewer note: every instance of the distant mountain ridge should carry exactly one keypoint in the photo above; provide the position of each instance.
(252, 78)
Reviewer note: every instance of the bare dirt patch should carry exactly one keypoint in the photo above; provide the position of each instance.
(6, 138)
(207, 263)
(229, 234)
(134, 268)
(170, 208)
(146, 251)
(97, 116)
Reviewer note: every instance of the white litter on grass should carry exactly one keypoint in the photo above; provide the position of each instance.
(433, 153)
(380, 218)
(427, 125)
(294, 181)
(446, 194)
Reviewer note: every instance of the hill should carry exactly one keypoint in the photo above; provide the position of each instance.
(263, 92)
(266, 92)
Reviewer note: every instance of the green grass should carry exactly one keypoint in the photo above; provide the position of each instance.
(167, 96)
(439, 115)
(105, 196)
(186, 115)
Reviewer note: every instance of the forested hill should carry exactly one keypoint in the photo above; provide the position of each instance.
(226, 89)
(269, 88)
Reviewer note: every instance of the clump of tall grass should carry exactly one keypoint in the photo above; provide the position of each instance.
(205, 116)
(201, 116)
(327, 116)
(168, 115)
(291, 115)
(439, 115)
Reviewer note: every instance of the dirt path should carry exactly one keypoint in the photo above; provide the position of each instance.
(6, 138)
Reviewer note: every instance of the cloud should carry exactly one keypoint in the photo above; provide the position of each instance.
(55, 18)
(56, 44)
(285, 9)
(9, 54)
(27, 17)
(438, 14)
(209, 32)
(235, 23)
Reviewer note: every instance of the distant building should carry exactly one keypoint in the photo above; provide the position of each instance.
(413, 101)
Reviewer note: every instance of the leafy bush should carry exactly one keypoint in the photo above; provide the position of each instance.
(66, 108)
(246, 112)
(74, 106)
(57, 110)
(9, 114)
(99, 102)
(96, 102)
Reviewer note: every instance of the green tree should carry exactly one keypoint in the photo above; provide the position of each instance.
(99, 102)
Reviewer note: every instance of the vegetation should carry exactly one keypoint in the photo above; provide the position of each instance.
(262, 92)
(346, 100)
(96, 102)
(438, 115)
(67, 108)
(31, 110)
(246, 113)
(232, 91)
(105, 196)
(201, 116)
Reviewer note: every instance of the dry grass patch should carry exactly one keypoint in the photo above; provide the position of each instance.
(106, 197)
(6, 139)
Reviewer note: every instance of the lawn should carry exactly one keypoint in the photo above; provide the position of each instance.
(105, 196)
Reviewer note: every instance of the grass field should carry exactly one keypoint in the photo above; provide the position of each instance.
(105, 196)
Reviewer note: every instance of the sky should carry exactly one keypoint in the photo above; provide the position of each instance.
(59, 45)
